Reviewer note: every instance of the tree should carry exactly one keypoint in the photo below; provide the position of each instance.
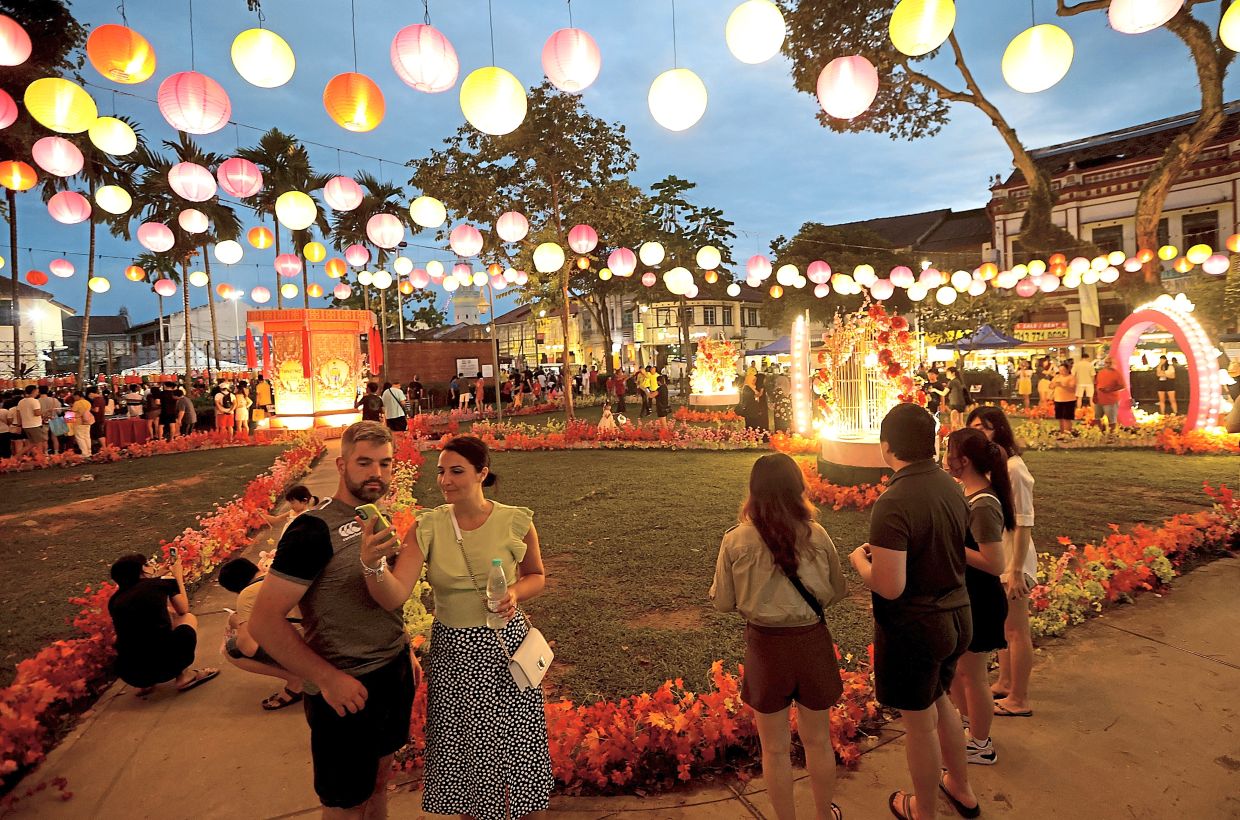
(56, 39)
(910, 103)
(159, 266)
(1212, 59)
(545, 169)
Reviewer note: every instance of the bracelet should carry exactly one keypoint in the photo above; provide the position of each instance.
(375, 572)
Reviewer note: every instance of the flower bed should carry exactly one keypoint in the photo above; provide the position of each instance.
(65, 675)
(705, 416)
(579, 434)
(208, 440)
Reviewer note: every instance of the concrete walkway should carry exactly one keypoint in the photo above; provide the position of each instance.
(1136, 717)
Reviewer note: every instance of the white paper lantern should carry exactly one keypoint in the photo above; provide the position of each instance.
(193, 220)
(113, 136)
(945, 295)
(917, 292)
(734, 290)
(651, 253)
(1140, 16)
(113, 199)
(296, 210)
(548, 257)
(708, 257)
(450, 284)
(191, 181)
(882, 289)
(678, 280)
(342, 193)
(288, 290)
(385, 230)
(787, 275)
(263, 58)
(382, 280)
(977, 287)
(434, 269)
(424, 58)
(198, 279)
(365, 278)
(403, 265)
(1037, 58)
(260, 295)
(755, 31)
(428, 212)
(479, 278)
(512, 226)
(865, 275)
(677, 99)
(229, 252)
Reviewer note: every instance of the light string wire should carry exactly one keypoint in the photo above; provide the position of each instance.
(353, 17)
(491, 23)
(192, 65)
(675, 52)
(426, 12)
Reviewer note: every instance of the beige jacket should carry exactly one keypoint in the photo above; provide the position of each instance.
(748, 581)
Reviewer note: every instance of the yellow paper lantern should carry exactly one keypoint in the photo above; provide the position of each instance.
(60, 105)
(121, 54)
(314, 291)
(288, 290)
(1199, 253)
(260, 237)
(113, 199)
(1229, 27)
(17, 176)
(1168, 252)
(677, 99)
(98, 284)
(112, 136)
(354, 102)
(198, 279)
(263, 58)
(755, 30)
(920, 26)
(1037, 58)
(493, 100)
(548, 257)
(708, 257)
(314, 252)
(295, 210)
(604, 274)
(428, 212)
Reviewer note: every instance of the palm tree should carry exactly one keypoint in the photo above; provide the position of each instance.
(159, 266)
(98, 169)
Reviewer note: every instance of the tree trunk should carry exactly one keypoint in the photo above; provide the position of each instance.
(400, 313)
(215, 328)
(383, 327)
(275, 223)
(305, 281)
(84, 340)
(565, 272)
(186, 341)
(159, 336)
(14, 305)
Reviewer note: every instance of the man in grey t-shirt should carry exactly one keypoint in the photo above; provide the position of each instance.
(187, 415)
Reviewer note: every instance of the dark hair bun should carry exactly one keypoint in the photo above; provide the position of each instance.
(491, 480)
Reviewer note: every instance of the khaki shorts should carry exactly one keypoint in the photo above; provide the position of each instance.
(36, 434)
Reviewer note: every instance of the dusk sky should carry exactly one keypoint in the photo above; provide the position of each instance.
(758, 153)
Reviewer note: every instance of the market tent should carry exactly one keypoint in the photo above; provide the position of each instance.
(984, 338)
(174, 362)
(780, 347)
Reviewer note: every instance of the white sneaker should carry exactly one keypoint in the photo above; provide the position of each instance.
(983, 754)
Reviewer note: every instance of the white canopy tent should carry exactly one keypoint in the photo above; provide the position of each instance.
(174, 362)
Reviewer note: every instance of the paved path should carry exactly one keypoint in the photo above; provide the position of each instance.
(1136, 717)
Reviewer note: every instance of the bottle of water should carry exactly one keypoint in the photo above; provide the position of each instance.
(497, 591)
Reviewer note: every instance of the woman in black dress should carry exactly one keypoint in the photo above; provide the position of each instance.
(752, 407)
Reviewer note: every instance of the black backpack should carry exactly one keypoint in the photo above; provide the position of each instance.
(228, 401)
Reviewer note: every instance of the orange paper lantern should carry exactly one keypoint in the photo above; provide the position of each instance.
(1145, 255)
(315, 290)
(17, 175)
(354, 102)
(121, 54)
(260, 237)
(134, 273)
(335, 267)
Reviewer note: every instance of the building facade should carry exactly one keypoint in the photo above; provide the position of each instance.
(41, 337)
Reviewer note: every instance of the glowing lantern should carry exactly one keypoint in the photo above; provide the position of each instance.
(512, 226)
(604, 274)
(678, 281)
(1037, 58)
(758, 267)
(1182, 265)
(428, 212)
(354, 102)
(1229, 28)
(382, 280)
(755, 30)
(466, 240)
(405, 287)
(450, 284)
(263, 58)
(385, 230)
(335, 268)
(571, 59)
(112, 136)
(920, 26)
(818, 272)
(493, 101)
(622, 262)
(583, 262)
(1036, 268)
(977, 287)
(434, 269)
(113, 199)
(1145, 255)
(260, 295)
(945, 295)
(314, 252)
(916, 292)
(193, 220)
(1215, 265)
(787, 275)
(14, 42)
(57, 156)
(17, 176)
(36, 277)
(260, 237)
(1089, 277)
(424, 59)
(708, 257)
(288, 265)
(155, 236)
(1199, 253)
(191, 181)
(1168, 252)
(120, 54)
(776, 291)
(651, 253)
(239, 177)
(296, 210)
(1140, 16)
(98, 284)
(8, 110)
(882, 289)
(932, 278)
(548, 257)
(1132, 265)
(648, 278)
(134, 273)
(315, 290)
(59, 105)
(165, 287)
(199, 280)
(847, 87)
(734, 290)
(1108, 275)
(1098, 262)
(194, 103)
(357, 255)
(1233, 243)
(677, 99)
(229, 252)
(342, 291)
(288, 290)
(1049, 284)
(1026, 287)
(419, 278)
(342, 193)
(582, 238)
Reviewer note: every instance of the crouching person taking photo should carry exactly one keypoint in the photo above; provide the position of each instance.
(242, 577)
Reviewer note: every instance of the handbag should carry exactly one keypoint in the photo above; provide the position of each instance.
(529, 664)
(57, 426)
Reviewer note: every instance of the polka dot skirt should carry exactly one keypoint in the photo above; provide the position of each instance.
(486, 740)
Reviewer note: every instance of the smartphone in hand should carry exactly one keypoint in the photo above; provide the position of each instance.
(174, 554)
(369, 512)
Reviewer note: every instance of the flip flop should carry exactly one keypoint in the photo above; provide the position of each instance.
(200, 677)
(837, 812)
(278, 701)
(1003, 711)
(901, 805)
(961, 808)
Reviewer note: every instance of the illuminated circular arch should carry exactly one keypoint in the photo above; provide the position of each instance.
(1204, 397)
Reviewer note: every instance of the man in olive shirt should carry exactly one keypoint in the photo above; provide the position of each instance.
(914, 564)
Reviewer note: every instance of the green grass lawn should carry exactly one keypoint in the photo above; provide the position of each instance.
(59, 532)
(630, 540)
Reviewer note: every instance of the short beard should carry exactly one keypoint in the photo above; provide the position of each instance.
(365, 493)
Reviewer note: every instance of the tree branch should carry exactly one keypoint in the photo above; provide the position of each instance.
(1065, 10)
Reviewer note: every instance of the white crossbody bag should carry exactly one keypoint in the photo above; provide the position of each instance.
(529, 664)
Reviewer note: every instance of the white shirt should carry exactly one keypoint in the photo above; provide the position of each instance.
(1022, 502)
(5, 416)
(393, 402)
(31, 412)
(1083, 372)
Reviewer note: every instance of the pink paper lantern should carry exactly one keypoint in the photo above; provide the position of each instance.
(342, 291)
(758, 267)
(622, 262)
(57, 156)
(902, 277)
(466, 240)
(342, 194)
(165, 287)
(8, 109)
(818, 272)
(15, 43)
(424, 59)
(1026, 287)
(847, 87)
(194, 103)
(571, 59)
(822, 289)
(1217, 264)
(463, 273)
(512, 226)
(288, 265)
(648, 278)
(260, 295)
(191, 181)
(582, 238)
(69, 208)
(522, 277)
(193, 220)
(1049, 284)
(155, 236)
(419, 278)
(357, 255)
(977, 287)
(61, 267)
(239, 177)
(1132, 264)
(882, 289)
(385, 230)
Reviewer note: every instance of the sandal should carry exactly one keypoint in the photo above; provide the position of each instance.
(837, 812)
(201, 676)
(961, 809)
(144, 691)
(279, 700)
(901, 805)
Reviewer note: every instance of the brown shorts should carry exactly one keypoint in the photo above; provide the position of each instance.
(36, 435)
(786, 664)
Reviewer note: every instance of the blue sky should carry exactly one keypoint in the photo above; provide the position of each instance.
(758, 153)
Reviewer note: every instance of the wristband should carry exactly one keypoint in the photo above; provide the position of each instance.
(375, 572)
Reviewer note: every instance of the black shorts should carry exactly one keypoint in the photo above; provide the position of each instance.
(398, 424)
(159, 664)
(260, 654)
(915, 660)
(1065, 410)
(346, 750)
(988, 601)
